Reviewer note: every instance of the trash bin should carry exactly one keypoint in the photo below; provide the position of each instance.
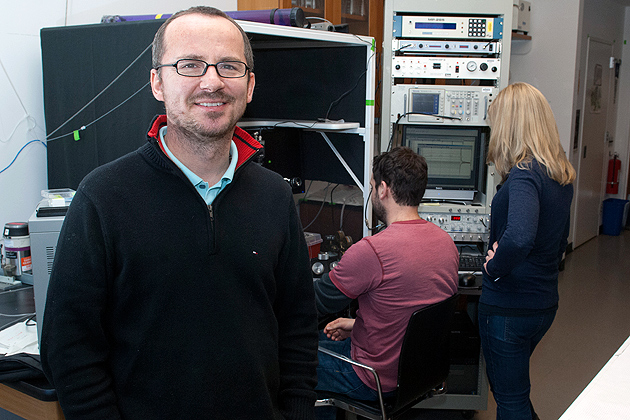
(612, 218)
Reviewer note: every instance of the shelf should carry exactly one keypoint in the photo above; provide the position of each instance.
(303, 124)
(517, 36)
(320, 127)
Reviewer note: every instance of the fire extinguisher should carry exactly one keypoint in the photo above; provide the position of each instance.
(612, 181)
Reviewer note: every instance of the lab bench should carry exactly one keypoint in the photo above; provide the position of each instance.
(33, 399)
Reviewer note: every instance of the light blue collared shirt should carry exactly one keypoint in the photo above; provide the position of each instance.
(207, 193)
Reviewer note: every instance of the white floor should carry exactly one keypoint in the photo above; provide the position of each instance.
(593, 321)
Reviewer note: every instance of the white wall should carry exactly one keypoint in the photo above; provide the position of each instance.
(20, 54)
(547, 60)
(555, 62)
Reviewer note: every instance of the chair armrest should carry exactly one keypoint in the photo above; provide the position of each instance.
(363, 366)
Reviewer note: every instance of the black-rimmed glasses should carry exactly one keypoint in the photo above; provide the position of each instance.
(196, 68)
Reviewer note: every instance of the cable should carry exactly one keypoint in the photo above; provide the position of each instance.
(320, 18)
(320, 208)
(102, 116)
(292, 122)
(447, 117)
(308, 189)
(377, 227)
(24, 118)
(403, 47)
(30, 321)
(391, 139)
(13, 87)
(299, 202)
(20, 151)
(27, 117)
(343, 208)
(362, 40)
(100, 93)
(343, 95)
(332, 205)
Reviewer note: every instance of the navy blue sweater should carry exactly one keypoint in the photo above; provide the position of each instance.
(530, 222)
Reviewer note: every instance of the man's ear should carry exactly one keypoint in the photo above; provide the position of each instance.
(250, 86)
(383, 190)
(156, 85)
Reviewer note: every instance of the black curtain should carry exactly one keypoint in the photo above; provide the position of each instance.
(295, 79)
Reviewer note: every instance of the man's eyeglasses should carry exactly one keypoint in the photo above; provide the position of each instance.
(197, 68)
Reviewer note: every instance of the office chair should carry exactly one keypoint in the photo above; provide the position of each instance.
(423, 365)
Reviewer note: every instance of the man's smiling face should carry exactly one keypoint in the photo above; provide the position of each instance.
(207, 106)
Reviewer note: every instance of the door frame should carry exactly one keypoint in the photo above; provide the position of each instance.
(579, 149)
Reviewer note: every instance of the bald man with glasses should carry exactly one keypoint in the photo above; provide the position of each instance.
(181, 286)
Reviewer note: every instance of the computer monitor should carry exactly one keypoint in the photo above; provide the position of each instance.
(455, 157)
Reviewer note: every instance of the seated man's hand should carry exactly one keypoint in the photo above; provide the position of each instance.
(339, 329)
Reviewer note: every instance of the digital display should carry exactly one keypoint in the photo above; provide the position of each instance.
(456, 218)
(425, 103)
(435, 25)
(455, 159)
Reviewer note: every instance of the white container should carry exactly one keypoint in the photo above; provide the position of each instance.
(17, 248)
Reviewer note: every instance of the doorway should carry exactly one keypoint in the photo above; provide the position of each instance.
(589, 187)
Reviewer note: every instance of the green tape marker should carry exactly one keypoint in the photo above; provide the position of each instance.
(373, 45)
(369, 102)
(76, 135)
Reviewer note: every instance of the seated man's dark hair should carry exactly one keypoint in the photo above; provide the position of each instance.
(405, 172)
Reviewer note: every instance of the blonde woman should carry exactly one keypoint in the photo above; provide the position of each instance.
(529, 229)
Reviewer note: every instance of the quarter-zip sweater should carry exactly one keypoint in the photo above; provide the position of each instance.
(160, 307)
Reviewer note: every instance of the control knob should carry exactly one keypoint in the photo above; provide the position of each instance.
(483, 67)
(318, 268)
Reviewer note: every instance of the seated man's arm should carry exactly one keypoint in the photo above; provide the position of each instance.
(328, 298)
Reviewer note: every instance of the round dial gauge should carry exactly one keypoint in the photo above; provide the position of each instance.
(471, 66)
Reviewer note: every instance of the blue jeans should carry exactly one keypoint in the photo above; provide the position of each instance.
(337, 376)
(507, 343)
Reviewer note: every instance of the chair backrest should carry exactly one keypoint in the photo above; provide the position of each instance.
(424, 358)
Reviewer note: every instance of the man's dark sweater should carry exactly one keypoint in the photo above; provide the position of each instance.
(161, 307)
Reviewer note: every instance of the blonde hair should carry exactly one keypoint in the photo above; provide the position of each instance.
(523, 128)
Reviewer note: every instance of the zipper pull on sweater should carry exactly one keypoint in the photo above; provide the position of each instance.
(212, 231)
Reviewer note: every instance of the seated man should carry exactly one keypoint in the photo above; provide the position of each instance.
(409, 265)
